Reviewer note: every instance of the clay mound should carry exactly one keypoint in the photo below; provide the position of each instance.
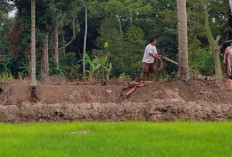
(52, 94)
(169, 101)
(158, 111)
(193, 90)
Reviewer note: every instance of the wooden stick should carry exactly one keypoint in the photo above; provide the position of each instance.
(174, 62)
(170, 60)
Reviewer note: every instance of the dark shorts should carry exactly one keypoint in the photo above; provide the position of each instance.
(149, 67)
(230, 76)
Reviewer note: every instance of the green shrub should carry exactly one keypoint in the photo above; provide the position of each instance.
(125, 77)
(56, 71)
(53, 70)
(69, 65)
(20, 75)
(6, 77)
(202, 62)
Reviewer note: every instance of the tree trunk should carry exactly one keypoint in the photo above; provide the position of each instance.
(230, 2)
(74, 25)
(29, 66)
(121, 33)
(131, 17)
(120, 28)
(33, 53)
(107, 65)
(213, 44)
(44, 61)
(56, 54)
(63, 41)
(28, 54)
(107, 76)
(85, 39)
(183, 40)
(102, 75)
(56, 40)
(34, 96)
(65, 44)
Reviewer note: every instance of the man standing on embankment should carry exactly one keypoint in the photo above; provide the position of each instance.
(149, 57)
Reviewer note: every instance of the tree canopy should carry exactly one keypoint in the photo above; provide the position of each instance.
(125, 25)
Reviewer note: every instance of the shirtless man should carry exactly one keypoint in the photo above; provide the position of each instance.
(227, 60)
(149, 57)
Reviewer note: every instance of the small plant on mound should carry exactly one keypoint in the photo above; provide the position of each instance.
(20, 75)
(6, 77)
(108, 71)
(125, 77)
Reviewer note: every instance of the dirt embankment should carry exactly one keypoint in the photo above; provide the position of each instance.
(194, 90)
(52, 94)
(159, 111)
(169, 101)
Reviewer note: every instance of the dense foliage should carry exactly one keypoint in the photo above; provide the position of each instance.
(125, 26)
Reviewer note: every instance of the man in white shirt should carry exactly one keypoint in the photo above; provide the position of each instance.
(149, 57)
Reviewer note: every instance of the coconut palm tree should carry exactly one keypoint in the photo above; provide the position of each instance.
(183, 40)
(33, 53)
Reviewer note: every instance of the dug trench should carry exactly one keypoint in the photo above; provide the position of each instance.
(195, 100)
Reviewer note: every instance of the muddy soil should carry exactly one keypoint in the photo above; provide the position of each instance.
(52, 94)
(194, 90)
(159, 111)
(169, 101)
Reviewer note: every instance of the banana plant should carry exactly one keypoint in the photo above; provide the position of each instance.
(108, 71)
(93, 67)
(95, 64)
(102, 61)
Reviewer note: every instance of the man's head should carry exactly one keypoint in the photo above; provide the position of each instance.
(153, 41)
(230, 43)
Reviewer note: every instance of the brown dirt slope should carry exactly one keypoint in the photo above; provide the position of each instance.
(194, 90)
(159, 111)
(169, 101)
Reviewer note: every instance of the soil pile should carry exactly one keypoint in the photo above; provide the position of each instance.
(159, 111)
(194, 90)
(52, 94)
(168, 101)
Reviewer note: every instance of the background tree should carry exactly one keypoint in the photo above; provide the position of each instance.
(109, 32)
(213, 44)
(210, 27)
(183, 40)
(33, 46)
(63, 10)
(125, 25)
(85, 38)
(134, 50)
